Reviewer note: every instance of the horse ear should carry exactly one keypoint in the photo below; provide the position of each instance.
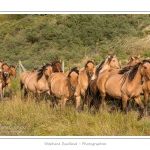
(60, 61)
(115, 55)
(132, 58)
(139, 56)
(92, 60)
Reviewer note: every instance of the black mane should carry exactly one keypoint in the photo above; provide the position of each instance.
(125, 69)
(99, 68)
(41, 70)
(89, 61)
(5, 64)
(73, 70)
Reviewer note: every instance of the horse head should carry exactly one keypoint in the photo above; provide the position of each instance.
(6, 69)
(89, 66)
(146, 68)
(113, 62)
(133, 60)
(56, 65)
(12, 71)
(73, 78)
(48, 70)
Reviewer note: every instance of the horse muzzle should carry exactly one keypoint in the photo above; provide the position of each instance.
(6, 74)
(73, 88)
(91, 74)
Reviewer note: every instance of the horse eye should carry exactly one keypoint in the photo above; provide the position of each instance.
(145, 67)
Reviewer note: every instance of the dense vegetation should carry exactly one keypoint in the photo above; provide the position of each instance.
(36, 39)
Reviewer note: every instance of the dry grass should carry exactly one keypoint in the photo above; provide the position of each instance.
(33, 119)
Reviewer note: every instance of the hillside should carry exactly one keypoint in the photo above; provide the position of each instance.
(38, 39)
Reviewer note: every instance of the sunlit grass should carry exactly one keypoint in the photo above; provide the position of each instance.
(38, 119)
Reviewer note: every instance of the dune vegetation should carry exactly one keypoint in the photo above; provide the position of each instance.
(38, 39)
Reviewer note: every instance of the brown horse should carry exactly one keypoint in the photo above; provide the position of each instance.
(12, 72)
(128, 84)
(62, 86)
(83, 80)
(5, 77)
(36, 82)
(109, 62)
(56, 65)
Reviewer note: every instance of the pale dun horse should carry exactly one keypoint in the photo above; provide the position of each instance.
(63, 87)
(133, 60)
(55, 66)
(146, 90)
(109, 62)
(129, 85)
(84, 78)
(103, 77)
(37, 81)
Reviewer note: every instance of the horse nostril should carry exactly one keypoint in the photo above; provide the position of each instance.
(91, 74)
(73, 88)
(6, 74)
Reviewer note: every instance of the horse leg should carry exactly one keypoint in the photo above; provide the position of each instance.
(10, 91)
(139, 102)
(124, 103)
(63, 102)
(78, 108)
(146, 95)
(1, 91)
(26, 94)
(38, 96)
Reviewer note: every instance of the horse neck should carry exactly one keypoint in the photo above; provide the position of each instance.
(105, 66)
(44, 78)
(87, 77)
(138, 77)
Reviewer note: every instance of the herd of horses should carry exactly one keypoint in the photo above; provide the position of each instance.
(91, 85)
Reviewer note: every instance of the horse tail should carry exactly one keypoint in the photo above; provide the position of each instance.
(21, 85)
(96, 101)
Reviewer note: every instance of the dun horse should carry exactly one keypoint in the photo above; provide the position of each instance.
(25, 76)
(133, 60)
(103, 77)
(109, 62)
(36, 82)
(62, 86)
(83, 80)
(128, 84)
(146, 90)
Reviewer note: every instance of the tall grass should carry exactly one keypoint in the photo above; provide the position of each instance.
(38, 119)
